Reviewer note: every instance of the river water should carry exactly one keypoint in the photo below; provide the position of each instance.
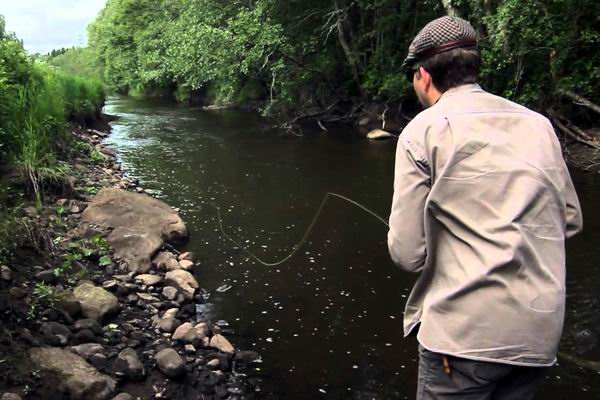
(327, 322)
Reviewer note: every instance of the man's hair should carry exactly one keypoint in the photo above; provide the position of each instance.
(453, 68)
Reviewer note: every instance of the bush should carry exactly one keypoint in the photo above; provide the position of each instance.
(36, 100)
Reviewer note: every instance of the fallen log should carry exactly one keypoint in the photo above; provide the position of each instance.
(580, 100)
(569, 132)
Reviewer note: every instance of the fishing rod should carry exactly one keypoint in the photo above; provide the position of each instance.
(306, 233)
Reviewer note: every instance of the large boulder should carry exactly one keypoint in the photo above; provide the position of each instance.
(135, 247)
(96, 303)
(112, 208)
(72, 374)
(140, 224)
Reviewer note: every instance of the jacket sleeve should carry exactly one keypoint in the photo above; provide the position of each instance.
(406, 237)
(574, 220)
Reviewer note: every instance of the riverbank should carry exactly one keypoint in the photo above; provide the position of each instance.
(100, 297)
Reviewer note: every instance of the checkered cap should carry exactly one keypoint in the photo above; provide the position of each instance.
(439, 35)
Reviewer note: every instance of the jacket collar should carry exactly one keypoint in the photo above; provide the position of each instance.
(468, 88)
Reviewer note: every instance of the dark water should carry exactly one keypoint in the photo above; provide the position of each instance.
(328, 322)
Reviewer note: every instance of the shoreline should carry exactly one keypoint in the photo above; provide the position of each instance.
(101, 313)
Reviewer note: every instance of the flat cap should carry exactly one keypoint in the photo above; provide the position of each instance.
(442, 34)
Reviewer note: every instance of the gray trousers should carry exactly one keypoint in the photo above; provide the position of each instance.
(459, 378)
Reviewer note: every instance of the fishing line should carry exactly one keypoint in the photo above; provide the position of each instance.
(306, 233)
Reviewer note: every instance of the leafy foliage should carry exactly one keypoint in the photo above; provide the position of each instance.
(36, 100)
(296, 54)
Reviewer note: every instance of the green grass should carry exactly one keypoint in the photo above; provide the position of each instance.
(36, 102)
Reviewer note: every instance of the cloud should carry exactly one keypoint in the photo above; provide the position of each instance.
(46, 25)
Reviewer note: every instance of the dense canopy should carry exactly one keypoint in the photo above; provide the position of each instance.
(300, 53)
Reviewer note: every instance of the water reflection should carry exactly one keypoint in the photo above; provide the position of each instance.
(328, 323)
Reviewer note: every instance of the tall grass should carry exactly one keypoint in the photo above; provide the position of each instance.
(36, 101)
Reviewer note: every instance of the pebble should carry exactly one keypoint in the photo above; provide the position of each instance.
(190, 349)
(214, 364)
(11, 396)
(169, 293)
(170, 363)
(17, 293)
(6, 273)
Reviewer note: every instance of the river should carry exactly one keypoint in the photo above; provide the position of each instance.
(327, 322)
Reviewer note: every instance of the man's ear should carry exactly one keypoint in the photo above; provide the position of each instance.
(424, 75)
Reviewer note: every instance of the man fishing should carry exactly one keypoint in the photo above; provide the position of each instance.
(482, 204)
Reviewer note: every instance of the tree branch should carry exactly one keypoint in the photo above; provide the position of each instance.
(580, 100)
(570, 133)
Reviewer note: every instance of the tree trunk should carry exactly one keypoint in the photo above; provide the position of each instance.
(348, 52)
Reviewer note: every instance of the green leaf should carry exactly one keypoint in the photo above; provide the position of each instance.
(104, 261)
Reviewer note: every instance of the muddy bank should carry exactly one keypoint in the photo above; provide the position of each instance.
(100, 301)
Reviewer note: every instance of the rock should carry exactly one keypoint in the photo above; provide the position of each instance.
(70, 305)
(46, 276)
(17, 293)
(134, 247)
(202, 329)
(61, 202)
(113, 208)
(184, 281)
(139, 222)
(63, 316)
(49, 314)
(96, 302)
(169, 325)
(98, 360)
(73, 374)
(189, 349)
(166, 261)
(11, 396)
(169, 293)
(185, 332)
(220, 343)
(170, 313)
(110, 285)
(364, 121)
(87, 350)
(27, 337)
(129, 364)
(378, 134)
(188, 255)
(6, 273)
(149, 279)
(147, 297)
(90, 324)
(31, 211)
(214, 364)
(186, 264)
(55, 328)
(85, 336)
(123, 396)
(247, 357)
(170, 363)
(182, 330)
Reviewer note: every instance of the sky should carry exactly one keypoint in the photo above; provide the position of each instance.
(44, 25)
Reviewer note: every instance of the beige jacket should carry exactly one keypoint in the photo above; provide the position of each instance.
(482, 205)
